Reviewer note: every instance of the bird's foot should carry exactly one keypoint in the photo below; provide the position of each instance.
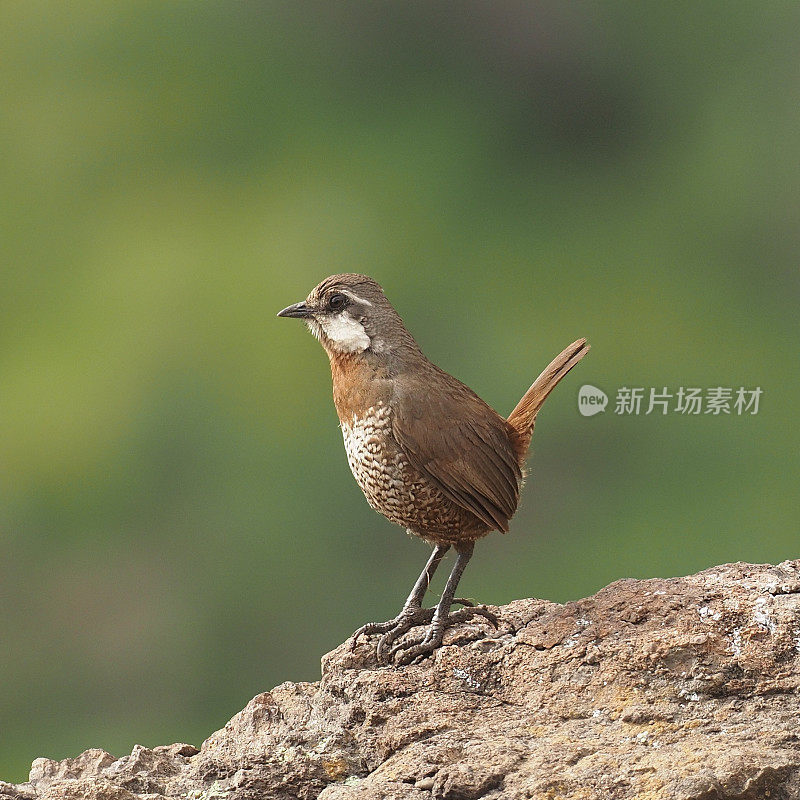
(418, 616)
(416, 647)
(407, 619)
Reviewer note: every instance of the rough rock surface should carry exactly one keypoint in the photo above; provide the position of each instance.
(684, 688)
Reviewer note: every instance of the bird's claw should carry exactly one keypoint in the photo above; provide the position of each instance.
(392, 629)
(414, 648)
(421, 616)
(466, 614)
(417, 646)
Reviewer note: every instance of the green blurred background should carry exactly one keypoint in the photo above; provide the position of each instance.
(179, 526)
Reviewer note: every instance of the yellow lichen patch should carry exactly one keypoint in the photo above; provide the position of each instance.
(336, 769)
(563, 792)
(537, 730)
(659, 728)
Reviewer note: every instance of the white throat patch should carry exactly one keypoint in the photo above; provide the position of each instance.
(345, 333)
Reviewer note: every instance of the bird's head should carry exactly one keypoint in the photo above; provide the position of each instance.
(350, 314)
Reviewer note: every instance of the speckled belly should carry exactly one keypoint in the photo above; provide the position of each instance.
(395, 488)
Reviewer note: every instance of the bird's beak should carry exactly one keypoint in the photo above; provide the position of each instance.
(300, 310)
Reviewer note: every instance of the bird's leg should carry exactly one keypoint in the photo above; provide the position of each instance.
(409, 651)
(412, 612)
(414, 600)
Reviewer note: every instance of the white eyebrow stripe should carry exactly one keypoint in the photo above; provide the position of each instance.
(355, 298)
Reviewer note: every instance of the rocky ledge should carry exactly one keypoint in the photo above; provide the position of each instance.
(683, 688)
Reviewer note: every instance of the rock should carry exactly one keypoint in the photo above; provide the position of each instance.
(663, 689)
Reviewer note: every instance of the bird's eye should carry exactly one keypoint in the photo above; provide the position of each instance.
(336, 302)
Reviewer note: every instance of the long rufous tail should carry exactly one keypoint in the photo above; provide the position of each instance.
(523, 417)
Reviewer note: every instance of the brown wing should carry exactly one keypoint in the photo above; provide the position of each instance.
(461, 444)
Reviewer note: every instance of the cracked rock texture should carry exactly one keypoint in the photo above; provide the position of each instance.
(682, 688)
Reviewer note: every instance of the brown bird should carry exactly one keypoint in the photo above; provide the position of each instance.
(427, 452)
